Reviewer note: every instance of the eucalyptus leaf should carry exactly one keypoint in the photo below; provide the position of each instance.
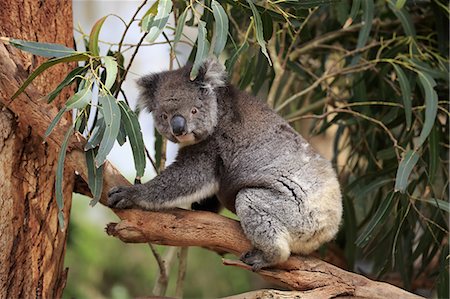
(364, 33)
(54, 122)
(221, 27)
(60, 176)
(49, 63)
(229, 64)
(376, 221)
(134, 133)
(438, 203)
(111, 115)
(406, 94)
(405, 168)
(80, 99)
(111, 71)
(42, 49)
(431, 106)
(67, 81)
(160, 20)
(202, 49)
(95, 177)
(93, 36)
(259, 30)
(96, 134)
(180, 26)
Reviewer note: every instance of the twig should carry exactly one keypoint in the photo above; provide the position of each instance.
(160, 286)
(182, 257)
(129, 25)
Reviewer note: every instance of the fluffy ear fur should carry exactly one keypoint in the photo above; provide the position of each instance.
(148, 85)
(212, 75)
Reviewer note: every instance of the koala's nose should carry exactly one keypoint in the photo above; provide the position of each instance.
(178, 124)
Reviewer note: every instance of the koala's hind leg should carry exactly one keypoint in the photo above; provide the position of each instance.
(262, 227)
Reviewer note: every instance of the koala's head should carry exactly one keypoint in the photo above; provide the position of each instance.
(185, 111)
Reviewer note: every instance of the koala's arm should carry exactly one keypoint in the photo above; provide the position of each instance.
(189, 179)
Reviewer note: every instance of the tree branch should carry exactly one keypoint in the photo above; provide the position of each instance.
(180, 227)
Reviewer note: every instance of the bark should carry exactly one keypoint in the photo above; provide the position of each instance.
(31, 244)
(187, 228)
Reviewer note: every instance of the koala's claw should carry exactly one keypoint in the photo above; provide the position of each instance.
(119, 198)
(255, 259)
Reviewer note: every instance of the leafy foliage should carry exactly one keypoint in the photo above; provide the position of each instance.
(373, 74)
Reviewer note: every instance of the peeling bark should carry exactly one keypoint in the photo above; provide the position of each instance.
(31, 244)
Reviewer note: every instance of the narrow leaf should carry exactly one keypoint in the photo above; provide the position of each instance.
(221, 28)
(399, 4)
(378, 219)
(405, 168)
(439, 203)
(111, 114)
(42, 49)
(406, 94)
(46, 65)
(80, 99)
(96, 134)
(134, 133)
(148, 17)
(431, 106)
(67, 81)
(60, 176)
(202, 49)
(54, 122)
(367, 18)
(95, 177)
(433, 153)
(93, 36)
(259, 30)
(160, 21)
(229, 64)
(111, 71)
(180, 26)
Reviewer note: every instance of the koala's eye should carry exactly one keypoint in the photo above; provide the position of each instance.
(194, 110)
(164, 116)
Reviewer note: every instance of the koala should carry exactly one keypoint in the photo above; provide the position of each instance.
(235, 149)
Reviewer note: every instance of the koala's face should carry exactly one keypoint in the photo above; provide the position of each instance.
(184, 111)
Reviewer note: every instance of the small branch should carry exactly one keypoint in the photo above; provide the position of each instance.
(182, 257)
(129, 25)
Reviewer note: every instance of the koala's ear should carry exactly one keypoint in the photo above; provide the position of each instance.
(212, 75)
(148, 85)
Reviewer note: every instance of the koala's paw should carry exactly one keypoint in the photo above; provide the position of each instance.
(255, 259)
(120, 198)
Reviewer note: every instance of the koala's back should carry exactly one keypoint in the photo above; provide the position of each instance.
(258, 149)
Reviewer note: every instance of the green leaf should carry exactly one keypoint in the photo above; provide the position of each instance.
(438, 203)
(42, 49)
(364, 33)
(202, 49)
(399, 4)
(221, 28)
(46, 65)
(111, 115)
(267, 22)
(431, 106)
(95, 177)
(67, 81)
(259, 30)
(356, 5)
(406, 94)
(122, 135)
(378, 218)
(148, 17)
(93, 36)
(80, 100)
(111, 71)
(180, 26)
(60, 176)
(134, 133)
(405, 168)
(433, 152)
(96, 134)
(54, 122)
(405, 19)
(160, 21)
(229, 64)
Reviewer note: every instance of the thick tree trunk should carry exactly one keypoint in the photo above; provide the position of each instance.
(31, 243)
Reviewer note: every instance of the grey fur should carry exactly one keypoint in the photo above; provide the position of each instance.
(285, 194)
